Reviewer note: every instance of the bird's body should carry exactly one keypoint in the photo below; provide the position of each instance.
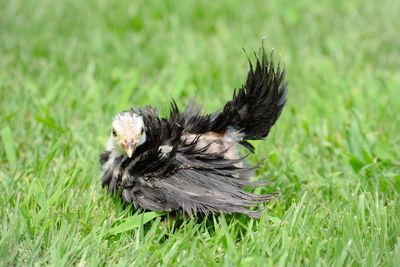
(189, 161)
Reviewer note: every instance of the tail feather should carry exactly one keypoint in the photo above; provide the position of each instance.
(256, 107)
(253, 110)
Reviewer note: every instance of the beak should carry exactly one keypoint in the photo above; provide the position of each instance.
(129, 148)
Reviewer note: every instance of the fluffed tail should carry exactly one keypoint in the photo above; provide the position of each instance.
(253, 110)
(255, 107)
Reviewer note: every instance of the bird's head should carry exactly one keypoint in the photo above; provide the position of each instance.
(127, 132)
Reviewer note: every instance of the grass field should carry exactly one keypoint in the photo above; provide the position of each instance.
(66, 67)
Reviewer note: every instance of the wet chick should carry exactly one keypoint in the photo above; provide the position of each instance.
(190, 161)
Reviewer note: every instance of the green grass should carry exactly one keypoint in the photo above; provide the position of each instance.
(66, 67)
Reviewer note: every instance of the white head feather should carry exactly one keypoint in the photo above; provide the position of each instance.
(127, 133)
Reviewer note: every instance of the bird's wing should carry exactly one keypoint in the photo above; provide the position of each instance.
(192, 181)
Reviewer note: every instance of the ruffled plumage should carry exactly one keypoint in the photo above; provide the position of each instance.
(191, 161)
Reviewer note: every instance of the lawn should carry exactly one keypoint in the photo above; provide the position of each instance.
(66, 67)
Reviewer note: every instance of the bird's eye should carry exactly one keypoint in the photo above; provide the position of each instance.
(114, 133)
(142, 131)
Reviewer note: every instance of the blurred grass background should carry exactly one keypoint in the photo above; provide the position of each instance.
(66, 67)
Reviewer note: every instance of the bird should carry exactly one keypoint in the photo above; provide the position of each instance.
(192, 162)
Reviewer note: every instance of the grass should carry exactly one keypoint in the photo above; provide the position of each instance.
(66, 67)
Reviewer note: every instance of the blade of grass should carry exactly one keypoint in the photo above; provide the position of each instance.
(9, 147)
(133, 222)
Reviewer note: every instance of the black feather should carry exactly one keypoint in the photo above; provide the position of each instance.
(104, 157)
(254, 108)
